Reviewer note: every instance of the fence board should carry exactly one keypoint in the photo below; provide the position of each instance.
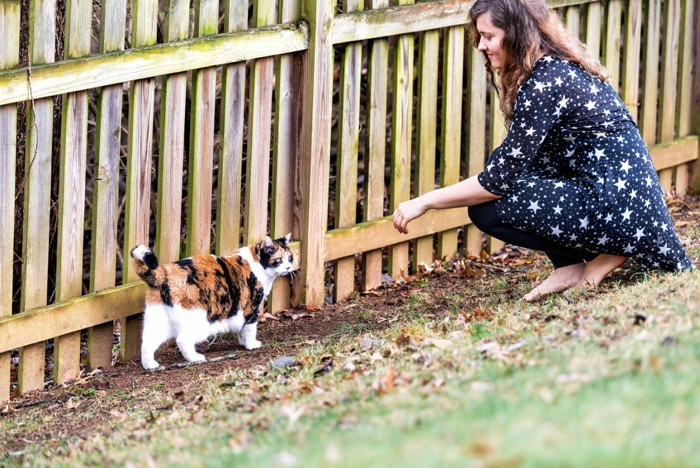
(103, 258)
(138, 169)
(37, 193)
(346, 163)
(401, 140)
(476, 136)
(71, 202)
(171, 152)
(405, 19)
(669, 82)
(9, 57)
(453, 66)
(594, 20)
(426, 136)
(147, 62)
(201, 151)
(288, 107)
(613, 41)
(262, 84)
(685, 91)
(317, 141)
(375, 148)
(498, 134)
(630, 72)
(228, 206)
(573, 20)
(650, 75)
(695, 116)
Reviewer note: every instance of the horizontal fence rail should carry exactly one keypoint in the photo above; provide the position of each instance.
(203, 127)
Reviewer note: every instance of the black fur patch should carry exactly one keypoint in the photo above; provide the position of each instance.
(165, 294)
(150, 259)
(233, 293)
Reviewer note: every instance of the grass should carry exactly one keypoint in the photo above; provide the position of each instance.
(581, 379)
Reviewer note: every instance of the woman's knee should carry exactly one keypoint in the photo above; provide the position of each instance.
(484, 216)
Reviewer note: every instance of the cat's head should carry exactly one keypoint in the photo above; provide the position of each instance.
(274, 254)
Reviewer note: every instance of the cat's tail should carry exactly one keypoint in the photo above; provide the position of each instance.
(147, 266)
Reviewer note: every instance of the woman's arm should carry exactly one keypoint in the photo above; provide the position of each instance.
(465, 193)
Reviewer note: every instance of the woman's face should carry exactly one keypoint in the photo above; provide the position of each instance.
(490, 40)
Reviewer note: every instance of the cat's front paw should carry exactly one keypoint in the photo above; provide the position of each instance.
(196, 357)
(252, 344)
(150, 364)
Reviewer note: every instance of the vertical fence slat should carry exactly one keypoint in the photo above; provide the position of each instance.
(317, 141)
(9, 58)
(594, 20)
(37, 192)
(288, 107)
(650, 75)
(669, 82)
(259, 143)
(228, 206)
(346, 163)
(685, 90)
(476, 118)
(401, 138)
(171, 153)
(498, 134)
(71, 203)
(633, 41)
(613, 39)
(573, 20)
(453, 66)
(426, 128)
(103, 260)
(375, 149)
(201, 151)
(138, 169)
(695, 116)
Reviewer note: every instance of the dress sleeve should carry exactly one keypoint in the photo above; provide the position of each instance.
(540, 103)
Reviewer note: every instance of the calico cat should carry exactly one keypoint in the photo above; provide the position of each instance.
(204, 295)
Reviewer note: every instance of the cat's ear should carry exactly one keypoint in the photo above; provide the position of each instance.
(287, 238)
(268, 243)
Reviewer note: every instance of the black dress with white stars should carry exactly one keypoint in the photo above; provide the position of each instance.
(574, 169)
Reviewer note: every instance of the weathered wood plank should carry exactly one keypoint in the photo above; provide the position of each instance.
(453, 66)
(289, 103)
(695, 116)
(201, 151)
(650, 75)
(669, 84)
(138, 168)
(401, 140)
(171, 152)
(105, 214)
(9, 58)
(594, 21)
(375, 148)
(317, 140)
(573, 20)
(231, 119)
(476, 134)
(613, 41)
(667, 155)
(633, 42)
(150, 61)
(498, 134)
(262, 85)
(346, 163)
(426, 128)
(71, 198)
(685, 90)
(37, 192)
(404, 19)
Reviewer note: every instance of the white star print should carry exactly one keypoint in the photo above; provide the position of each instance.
(620, 184)
(629, 248)
(515, 152)
(626, 166)
(558, 81)
(590, 105)
(584, 222)
(599, 153)
(534, 206)
(608, 218)
(594, 90)
(664, 250)
(557, 209)
(559, 184)
(539, 86)
(530, 131)
(564, 101)
(639, 234)
(603, 240)
(569, 153)
(556, 231)
(626, 214)
(570, 138)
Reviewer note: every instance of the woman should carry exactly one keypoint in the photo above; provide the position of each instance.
(573, 177)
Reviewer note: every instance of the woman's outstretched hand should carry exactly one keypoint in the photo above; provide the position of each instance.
(408, 211)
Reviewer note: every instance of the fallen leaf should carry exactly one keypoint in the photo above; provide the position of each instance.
(326, 366)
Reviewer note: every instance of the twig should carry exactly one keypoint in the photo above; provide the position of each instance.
(34, 127)
(188, 364)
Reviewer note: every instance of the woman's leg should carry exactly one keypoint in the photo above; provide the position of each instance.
(568, 264)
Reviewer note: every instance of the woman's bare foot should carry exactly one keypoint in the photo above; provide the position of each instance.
(560, 279)
(597, 269)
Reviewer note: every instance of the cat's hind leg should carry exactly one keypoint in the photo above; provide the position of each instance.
(156, 331)
(191, 328)
(247, 336)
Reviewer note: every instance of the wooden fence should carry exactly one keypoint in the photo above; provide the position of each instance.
(230, 118)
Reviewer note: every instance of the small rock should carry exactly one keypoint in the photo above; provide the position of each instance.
(283, 361)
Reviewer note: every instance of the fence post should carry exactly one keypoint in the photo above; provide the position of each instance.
(9, 35)
(315, 158)
(696, 92)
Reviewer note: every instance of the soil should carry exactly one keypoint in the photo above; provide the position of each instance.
(79, 408)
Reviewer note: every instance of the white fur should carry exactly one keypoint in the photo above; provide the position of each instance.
(139, 252)
(188, 327)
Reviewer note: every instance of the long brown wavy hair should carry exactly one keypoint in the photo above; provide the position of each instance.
(531, 28)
